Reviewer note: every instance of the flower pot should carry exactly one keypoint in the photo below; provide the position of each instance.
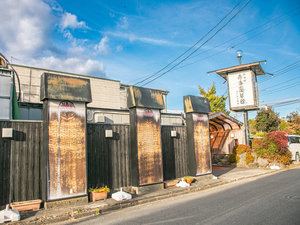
(95, 196)
(170, 183)
(26, 205)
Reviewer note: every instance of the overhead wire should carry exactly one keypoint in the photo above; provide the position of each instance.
(204, 36)
(199, 46)
(235, 45)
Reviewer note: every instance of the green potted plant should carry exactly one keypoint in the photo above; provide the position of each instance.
(98, 193)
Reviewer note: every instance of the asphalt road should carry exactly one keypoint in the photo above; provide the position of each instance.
(272, 200)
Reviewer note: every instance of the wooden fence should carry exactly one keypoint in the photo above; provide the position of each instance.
(4, 165)
(20, 162)
(108, 158)
(174, 149)
(23, 162)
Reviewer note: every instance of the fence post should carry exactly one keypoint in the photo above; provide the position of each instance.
(198, 138)
(146, 155)
(64, 108)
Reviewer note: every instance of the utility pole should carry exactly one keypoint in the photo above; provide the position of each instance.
(245, 112)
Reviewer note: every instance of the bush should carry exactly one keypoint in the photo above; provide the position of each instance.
(249, 158)
(232, 158)
(280, 139)
(259, 147)
(274, 147)
(240, 149)
(259, 134)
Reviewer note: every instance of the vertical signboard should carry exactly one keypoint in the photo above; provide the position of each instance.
(201, 143)
(149, 146)
(242, 91)
(66, 149)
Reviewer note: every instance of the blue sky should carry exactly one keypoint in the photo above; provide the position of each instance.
(129, 40)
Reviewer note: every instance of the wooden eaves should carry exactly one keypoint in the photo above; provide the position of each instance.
(255, 67)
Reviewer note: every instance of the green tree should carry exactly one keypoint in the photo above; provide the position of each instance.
(267, 120)
(283, 125)
(217, 103)
(252, 125)
(293, 124)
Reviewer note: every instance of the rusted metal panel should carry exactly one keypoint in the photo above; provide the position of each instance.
(149, 146)
(66, 149)
(202, 144)
(194, 104)
(59, 87)
(145, 97)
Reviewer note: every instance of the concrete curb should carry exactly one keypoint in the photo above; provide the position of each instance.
(87, 212)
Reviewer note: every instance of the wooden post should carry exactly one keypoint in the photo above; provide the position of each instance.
(64, 108)
(199, 152)
(146, 155)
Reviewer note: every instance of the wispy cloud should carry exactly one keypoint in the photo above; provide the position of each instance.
(102, 46)
(69, 20)
(123, 23)
(134, 38)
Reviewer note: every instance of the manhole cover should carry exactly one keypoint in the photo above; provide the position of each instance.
(293, 197)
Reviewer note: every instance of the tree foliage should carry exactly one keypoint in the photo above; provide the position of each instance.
(252, 126)
(293, 124)
(217, 103)
(267, 120)
(274, 147)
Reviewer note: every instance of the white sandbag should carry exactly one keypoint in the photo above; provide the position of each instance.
(183, 184)
(120, 195)
(8, 215)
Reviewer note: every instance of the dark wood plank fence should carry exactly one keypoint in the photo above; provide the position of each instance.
(4, 165)
(22, 161)
(108, 158)
(175, 161)
(26, 163)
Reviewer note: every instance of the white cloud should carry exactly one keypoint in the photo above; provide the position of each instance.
(119, 48)
(25, 27)
(123, 23)
(132, 38)
(102, 47)
(69, 20)
(76, 65)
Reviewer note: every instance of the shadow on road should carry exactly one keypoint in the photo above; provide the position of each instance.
(220, 170)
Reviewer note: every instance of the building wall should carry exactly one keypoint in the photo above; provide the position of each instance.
(105, 93)
(109, 97)
(168, 119)
(230, 141)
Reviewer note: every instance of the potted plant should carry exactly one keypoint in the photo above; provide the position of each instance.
(170, 183)
(26, 205)
(98, 193)
(189, 180)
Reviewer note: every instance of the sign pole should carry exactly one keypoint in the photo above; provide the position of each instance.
(245, 114)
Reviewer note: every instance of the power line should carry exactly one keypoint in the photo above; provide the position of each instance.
(192, 45)
(199, 46)
(249, 31)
